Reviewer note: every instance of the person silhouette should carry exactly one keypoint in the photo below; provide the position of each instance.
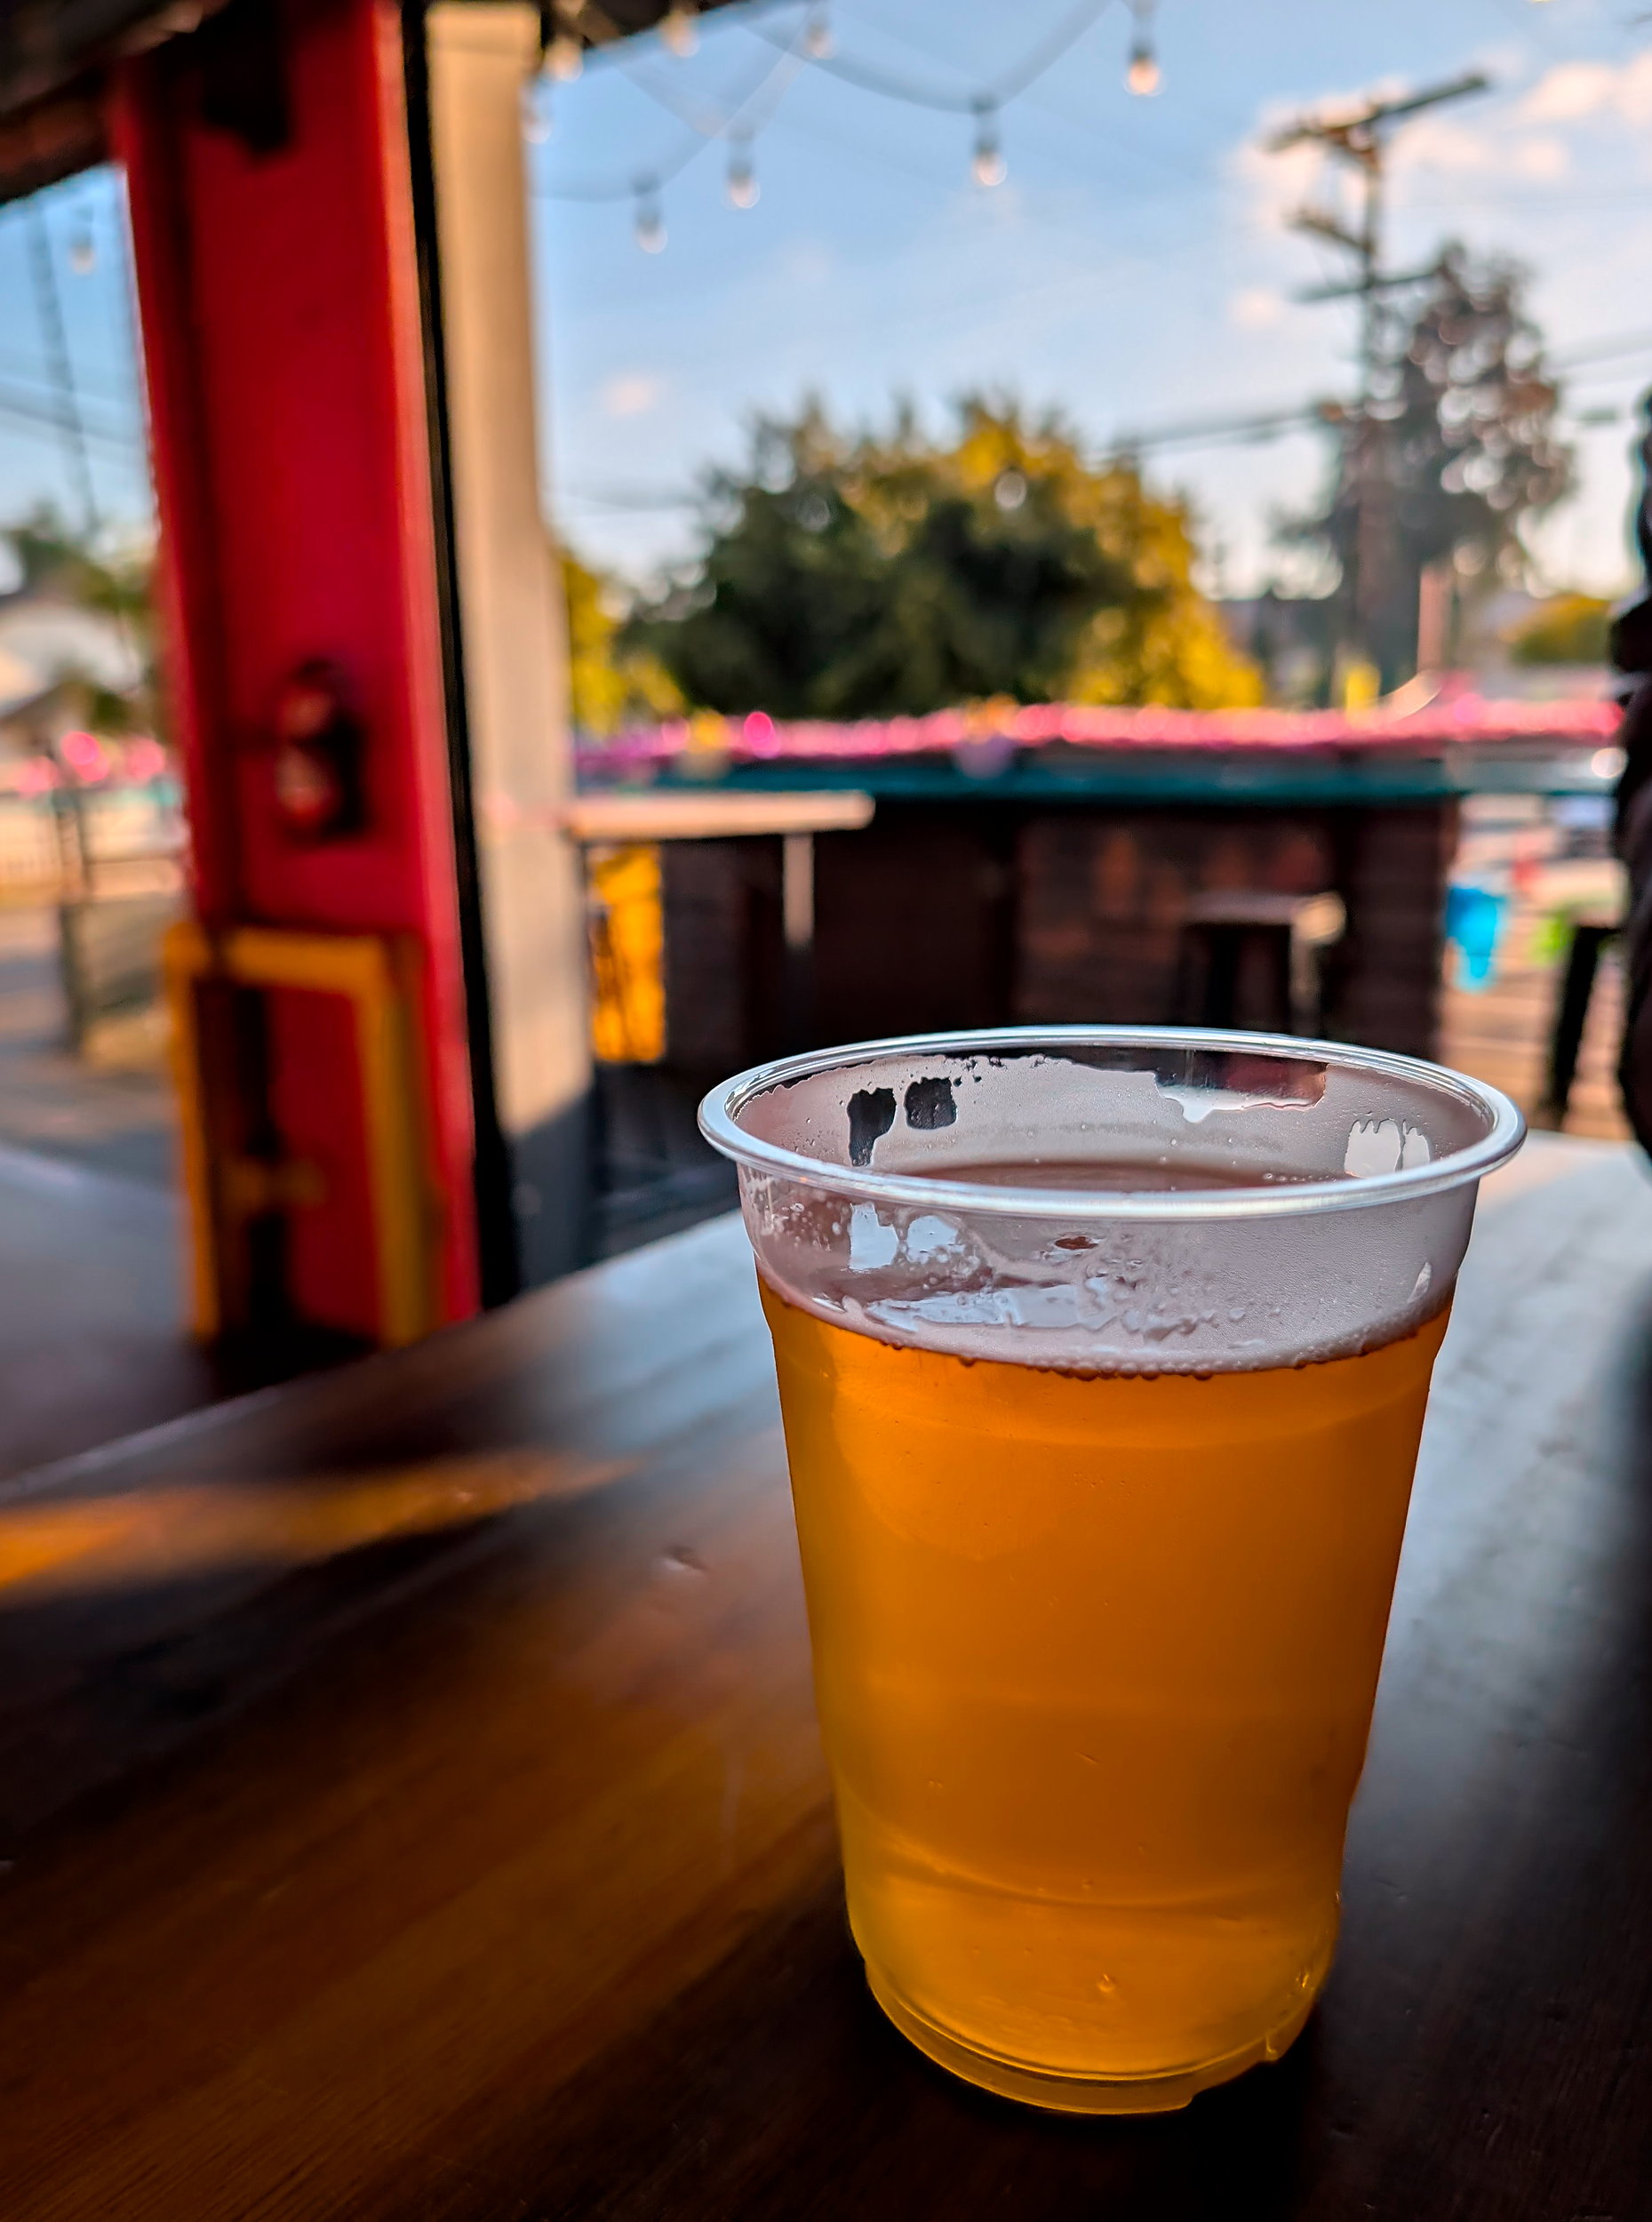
(1631, 649)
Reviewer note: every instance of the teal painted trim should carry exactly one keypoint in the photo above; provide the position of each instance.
(1234, 780)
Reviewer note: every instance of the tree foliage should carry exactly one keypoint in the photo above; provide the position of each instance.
(874, 574)
(612, 683)
(63, 563)
(1462, 445)
(1569, 628)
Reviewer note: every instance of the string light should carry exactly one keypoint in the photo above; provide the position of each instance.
(651, 220)
(564, 57)
(679, 30)
(83, 254)
(1143, 76)
(742, 186)
(535, 104)
(988, 167)
(811, 40)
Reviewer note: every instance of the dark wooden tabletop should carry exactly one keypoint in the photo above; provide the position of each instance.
(411, 1804)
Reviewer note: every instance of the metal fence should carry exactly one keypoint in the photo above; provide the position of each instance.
(110, 864)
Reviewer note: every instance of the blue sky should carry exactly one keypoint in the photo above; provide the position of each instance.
(84, 223)
(1134, 267)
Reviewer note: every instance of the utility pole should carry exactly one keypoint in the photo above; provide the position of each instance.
(1361, 138)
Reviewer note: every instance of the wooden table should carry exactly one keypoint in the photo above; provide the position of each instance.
(485, 1870)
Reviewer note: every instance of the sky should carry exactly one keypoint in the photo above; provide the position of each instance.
(1135, 268)
(81, 226)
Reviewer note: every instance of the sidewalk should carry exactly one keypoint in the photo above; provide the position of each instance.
(1500, 1032)
(109, 1118)
(91, 1340)
(92, 1343)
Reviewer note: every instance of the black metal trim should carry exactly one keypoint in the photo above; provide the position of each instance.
(498, 1248)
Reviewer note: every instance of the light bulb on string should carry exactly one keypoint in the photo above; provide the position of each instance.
(83, 254)
(818, 45)
(536, 108)
(679, 29)
(742, 187)
(987, 167)
(1143, 74)
(650, 219)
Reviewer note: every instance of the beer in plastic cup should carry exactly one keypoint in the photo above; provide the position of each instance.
(1103, 1357)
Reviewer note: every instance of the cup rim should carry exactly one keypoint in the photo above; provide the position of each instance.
(719, 1109)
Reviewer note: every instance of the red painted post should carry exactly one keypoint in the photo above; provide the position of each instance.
(266, 162)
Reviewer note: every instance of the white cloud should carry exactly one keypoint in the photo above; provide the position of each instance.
(1544, 157)
(1254, 308)
(1633, 96)
(630, 394)
(1573, 90)
(1279, 184)
(807, 262)
(1569, 92)
(1439, 142)
(1569, 123)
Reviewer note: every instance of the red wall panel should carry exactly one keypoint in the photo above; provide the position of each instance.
(278, 303)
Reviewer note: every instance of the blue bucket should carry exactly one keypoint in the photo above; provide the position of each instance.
(1475, 919)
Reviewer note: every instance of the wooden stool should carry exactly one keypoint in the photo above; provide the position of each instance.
(1256, 957)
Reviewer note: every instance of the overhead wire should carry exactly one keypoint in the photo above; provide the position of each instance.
(47, 401)
(705, 125)
(54, 341)
(803, 47)
(1261, 426)
(31, 408)
(995, 92)
(1040, 96)
(738, 126)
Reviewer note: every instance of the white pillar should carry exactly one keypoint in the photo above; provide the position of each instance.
(512, 619)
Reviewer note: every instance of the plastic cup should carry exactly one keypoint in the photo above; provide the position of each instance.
(1103, 1356)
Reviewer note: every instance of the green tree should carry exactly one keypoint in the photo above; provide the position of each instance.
(612, 683)
(875, 574)
(1459, 449)
(1569, 628)
(59, 561)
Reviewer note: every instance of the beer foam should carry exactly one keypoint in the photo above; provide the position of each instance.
(1183, 1254)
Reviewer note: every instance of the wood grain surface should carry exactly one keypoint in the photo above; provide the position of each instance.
(411, 1804)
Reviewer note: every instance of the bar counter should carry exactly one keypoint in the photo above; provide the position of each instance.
(412, 1806)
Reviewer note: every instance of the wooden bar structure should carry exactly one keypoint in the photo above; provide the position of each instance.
(1025, 880)
(981, 913)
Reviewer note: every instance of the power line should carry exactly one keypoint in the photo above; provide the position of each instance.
(29, 409)
(1603, 350)
(1268, 423)
(55, 337)
(1215, 431)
